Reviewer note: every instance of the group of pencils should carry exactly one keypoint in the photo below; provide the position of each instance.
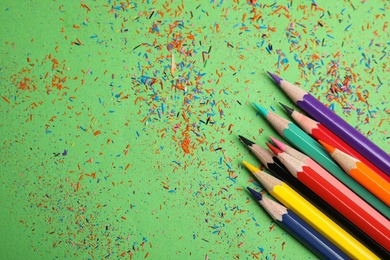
(334, 189)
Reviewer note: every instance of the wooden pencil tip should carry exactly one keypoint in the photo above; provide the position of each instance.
(277, 79)
(255, 194)
(278, 143)
(328, 147)
(250, 167)
(289, 110)
(262, 110)
(246, 141)
(275, 150)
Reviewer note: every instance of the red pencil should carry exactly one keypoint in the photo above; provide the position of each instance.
(319, 132)
(339, 197)
(311, 163)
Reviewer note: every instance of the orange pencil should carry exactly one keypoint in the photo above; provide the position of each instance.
(361, 173)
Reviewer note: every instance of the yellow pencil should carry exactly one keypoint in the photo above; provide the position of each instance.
(314, 217)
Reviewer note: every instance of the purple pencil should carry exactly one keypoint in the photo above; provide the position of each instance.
(336, 124)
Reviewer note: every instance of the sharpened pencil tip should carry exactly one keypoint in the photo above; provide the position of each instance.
(278, 143)
(262, 110)
(275, 78)
(275, 150)
(289, 110)
(246, 141)
(250, 167)
(255, 194)
(328, 147)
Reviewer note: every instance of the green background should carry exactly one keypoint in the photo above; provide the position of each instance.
(107, 152)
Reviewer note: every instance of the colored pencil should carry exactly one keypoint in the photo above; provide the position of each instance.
(310, 162)
(347, 224)
(314, 217)
(302, 141)
(361, 172)
(336, 124)
(385, 210)
(274, 165)
(292, 133)
(299, 229)
(339, 196)
(319, 131)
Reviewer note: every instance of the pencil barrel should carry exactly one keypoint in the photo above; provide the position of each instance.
(346, 132)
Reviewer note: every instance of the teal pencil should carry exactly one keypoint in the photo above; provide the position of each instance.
(302, 141)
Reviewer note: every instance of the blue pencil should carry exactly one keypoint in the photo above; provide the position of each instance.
(298, 228)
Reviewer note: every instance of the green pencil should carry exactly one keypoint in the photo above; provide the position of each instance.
(297, 137)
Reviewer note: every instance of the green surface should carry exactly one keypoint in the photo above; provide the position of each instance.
(152, 167)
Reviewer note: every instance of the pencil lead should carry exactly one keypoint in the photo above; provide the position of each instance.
(246, 141)
(262, 110)
(289, 110)
(278, 143)
(275, 150)
(255, 194)
(275, 78)
(328, 147)
(250, 167)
